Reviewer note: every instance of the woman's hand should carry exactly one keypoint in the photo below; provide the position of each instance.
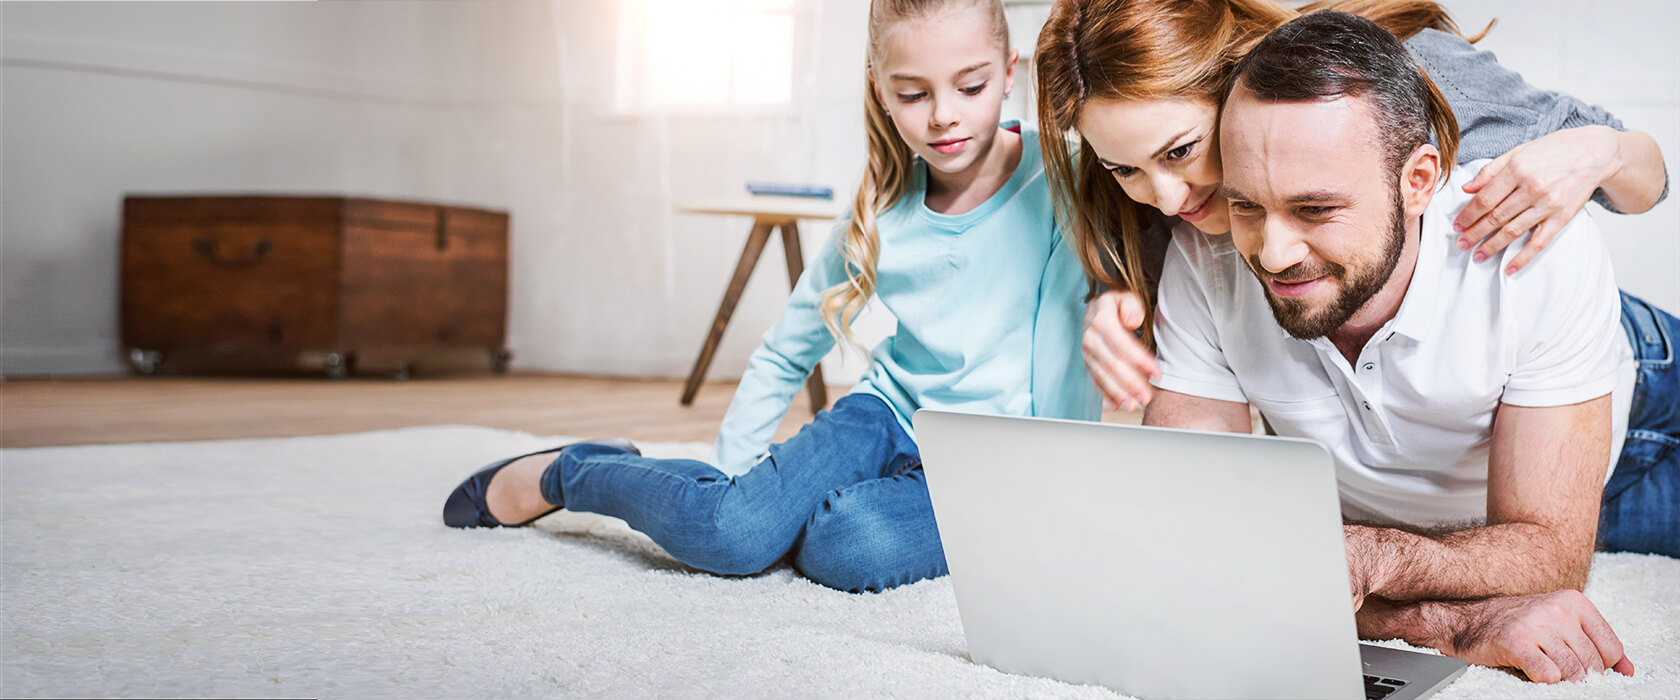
(1539, 185)
(1542, 184)
(1116, 359)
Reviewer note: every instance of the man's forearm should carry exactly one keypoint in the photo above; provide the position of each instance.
(1497, 560)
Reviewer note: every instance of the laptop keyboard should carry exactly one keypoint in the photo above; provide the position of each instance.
(1377, 687)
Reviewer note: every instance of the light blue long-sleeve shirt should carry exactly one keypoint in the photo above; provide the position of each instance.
(990, 305)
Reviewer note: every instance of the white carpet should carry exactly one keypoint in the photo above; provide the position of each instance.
(318, 567)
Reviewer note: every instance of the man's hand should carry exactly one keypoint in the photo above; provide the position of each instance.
(1118, 362)
(1549, 636)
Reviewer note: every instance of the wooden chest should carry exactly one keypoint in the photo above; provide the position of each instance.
(328, 275)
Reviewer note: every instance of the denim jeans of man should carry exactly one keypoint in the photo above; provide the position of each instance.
(1641, 507)
(846, 497)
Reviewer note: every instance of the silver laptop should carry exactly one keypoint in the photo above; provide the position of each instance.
(1159, 563)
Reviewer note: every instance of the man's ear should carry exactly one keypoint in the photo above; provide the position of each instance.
(1419, 178)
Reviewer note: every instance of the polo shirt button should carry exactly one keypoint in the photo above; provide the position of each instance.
(1366, 404)
(1370, 366)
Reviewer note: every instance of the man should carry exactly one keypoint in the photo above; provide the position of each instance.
(1472, 415)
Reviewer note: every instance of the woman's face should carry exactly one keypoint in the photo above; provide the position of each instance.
(1164, 153)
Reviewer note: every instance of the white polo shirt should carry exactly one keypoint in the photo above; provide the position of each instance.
(1410, 423)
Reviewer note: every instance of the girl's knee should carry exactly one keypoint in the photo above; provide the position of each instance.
(837, 569)
(863, 567)
(851, 549)
(831, 553)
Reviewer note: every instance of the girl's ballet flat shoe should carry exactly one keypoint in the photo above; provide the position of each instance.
(466, 507)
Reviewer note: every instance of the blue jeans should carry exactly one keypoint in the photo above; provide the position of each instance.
(1641, 508)
(845, 497)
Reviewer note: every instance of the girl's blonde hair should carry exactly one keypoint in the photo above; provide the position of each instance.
(1151, 50)
(887, 173)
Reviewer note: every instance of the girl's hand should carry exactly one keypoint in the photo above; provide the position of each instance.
(1116, 359)
(1539, 185)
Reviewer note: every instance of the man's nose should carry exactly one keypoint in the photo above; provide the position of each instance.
(1281, 246)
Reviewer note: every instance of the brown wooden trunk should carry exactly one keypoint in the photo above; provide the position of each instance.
(300, 274)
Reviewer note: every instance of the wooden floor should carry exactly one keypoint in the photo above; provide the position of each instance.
(114, 410)
(38, 412)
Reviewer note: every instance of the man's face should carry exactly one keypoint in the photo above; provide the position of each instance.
(1315, 209)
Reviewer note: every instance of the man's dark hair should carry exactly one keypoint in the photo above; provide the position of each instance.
(1329, 54)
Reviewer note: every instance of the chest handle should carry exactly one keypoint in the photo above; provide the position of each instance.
(206, 248)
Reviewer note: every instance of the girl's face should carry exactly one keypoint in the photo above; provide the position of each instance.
(943, 78)
(1164, 153)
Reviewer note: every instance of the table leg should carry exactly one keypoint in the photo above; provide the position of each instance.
(749, 257)
(796, 266)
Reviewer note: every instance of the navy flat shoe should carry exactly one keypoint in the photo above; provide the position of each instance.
(466, 506)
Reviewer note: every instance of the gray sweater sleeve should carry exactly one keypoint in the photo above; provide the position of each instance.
(1496, 109)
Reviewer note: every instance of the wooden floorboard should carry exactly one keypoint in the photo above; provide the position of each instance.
(41, 412)
(131, 409)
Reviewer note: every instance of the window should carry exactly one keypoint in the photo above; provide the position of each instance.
(682, 53)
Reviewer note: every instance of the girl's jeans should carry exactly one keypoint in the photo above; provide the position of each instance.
(1641, 509)
(846, 497)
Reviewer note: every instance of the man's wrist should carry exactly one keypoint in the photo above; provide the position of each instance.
(1369, 556)
(1427, 623)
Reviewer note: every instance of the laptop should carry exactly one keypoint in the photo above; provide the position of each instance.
(1157, 562)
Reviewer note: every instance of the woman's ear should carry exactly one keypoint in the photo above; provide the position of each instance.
(1419, 178)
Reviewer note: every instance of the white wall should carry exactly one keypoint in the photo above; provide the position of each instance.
(507, 104)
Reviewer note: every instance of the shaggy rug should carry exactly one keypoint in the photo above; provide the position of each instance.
(318, 567)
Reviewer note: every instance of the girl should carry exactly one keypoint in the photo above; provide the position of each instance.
(1131, 75)
(952, 228)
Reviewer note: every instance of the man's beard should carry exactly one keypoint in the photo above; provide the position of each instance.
(1307, 323)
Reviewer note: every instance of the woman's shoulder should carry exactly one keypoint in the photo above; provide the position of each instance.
(1464, 72)
(1437, 40)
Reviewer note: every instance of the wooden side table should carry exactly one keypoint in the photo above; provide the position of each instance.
(768, 213)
